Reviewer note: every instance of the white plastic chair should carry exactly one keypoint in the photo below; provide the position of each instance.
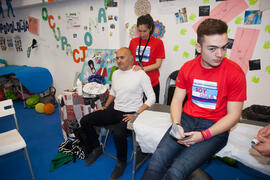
(11, 141)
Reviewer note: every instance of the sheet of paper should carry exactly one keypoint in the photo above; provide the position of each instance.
(243, 46)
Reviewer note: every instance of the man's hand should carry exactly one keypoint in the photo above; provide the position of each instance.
(129, 117)
(100, 109)
(193, 137)
(137, 68)
(263, 147)
(265, 132)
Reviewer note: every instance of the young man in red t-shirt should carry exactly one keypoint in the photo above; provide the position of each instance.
(216, 88)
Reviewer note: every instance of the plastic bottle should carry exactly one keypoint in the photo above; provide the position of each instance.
(79, 87)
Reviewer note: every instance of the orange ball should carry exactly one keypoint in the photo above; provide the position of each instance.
(48, 108)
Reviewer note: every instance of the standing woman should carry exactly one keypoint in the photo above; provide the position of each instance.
(148, 51)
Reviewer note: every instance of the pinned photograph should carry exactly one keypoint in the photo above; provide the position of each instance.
(253, 17)
(181, 16)
(204, 10)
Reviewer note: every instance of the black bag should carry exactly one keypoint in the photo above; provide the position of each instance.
(73, 148)
(257, 113)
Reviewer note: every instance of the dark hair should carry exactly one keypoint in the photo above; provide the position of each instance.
(211, 27)
(146, 20)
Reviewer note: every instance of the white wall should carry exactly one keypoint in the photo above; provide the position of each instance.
(63, 67)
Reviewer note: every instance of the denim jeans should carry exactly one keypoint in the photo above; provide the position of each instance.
(174, 161)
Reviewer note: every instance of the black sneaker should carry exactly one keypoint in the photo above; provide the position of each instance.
(141, 157)
(118, 170)
(94, 156)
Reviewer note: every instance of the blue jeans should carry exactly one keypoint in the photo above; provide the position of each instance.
(172, 160)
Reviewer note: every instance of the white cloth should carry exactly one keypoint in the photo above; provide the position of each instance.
(150, 127)
(128, 88)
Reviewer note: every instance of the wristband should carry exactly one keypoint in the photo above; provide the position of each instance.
(209, 135)
(202, 136)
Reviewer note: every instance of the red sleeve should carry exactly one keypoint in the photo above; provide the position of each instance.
(161, 51)
(237, 87)
(180, 80)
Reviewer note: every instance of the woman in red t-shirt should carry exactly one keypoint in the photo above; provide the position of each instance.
(148, 51)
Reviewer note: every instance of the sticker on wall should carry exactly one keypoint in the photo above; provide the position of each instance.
(115, 18)
(253, 17)
(142, 7)
(193, 42)
(73, 20)
(204, 10)
(10, 43)
(183, 31)
(33, 25)
(255, 79)
(91, 8)
(159, 30)
(3, 43)
(18, 43)
(266, 45)
(267, 28)
(175, 48)
(99, 61)
(74, 35)
(252, 2)
(205, 1)
(192, 16)
(185, 54)
(238, 20)
(267, 69)
(181, 16)
(133, 31)
(255, 64)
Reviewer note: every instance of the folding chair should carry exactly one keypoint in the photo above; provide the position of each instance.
(11, 141)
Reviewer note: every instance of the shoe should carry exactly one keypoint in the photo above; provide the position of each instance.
(118, 170)
(94, 156)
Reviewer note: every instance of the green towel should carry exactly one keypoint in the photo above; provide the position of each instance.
(59, 160)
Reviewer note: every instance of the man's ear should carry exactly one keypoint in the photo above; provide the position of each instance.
(198, 47)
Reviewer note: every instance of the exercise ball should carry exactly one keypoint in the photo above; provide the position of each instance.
(39, 107)
(48, 108)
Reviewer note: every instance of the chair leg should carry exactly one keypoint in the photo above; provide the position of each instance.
(104, 145)
(134, 155)
(29, 162)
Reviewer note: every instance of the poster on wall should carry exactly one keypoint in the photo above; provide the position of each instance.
(101, 62)
(73, 20)
(18, 43)
(33, 25)
(3, 43)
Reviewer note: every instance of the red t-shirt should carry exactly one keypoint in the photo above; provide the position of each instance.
(154, 50)
(209, 90)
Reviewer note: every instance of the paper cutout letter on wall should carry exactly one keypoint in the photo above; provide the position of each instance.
(33, 25)
(243, 46)
(226, 11)
(102, 14)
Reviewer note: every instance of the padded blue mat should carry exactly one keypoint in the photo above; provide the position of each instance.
(35, 79)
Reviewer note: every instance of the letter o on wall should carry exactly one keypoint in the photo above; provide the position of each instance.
(88, 39)
(44, 14)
